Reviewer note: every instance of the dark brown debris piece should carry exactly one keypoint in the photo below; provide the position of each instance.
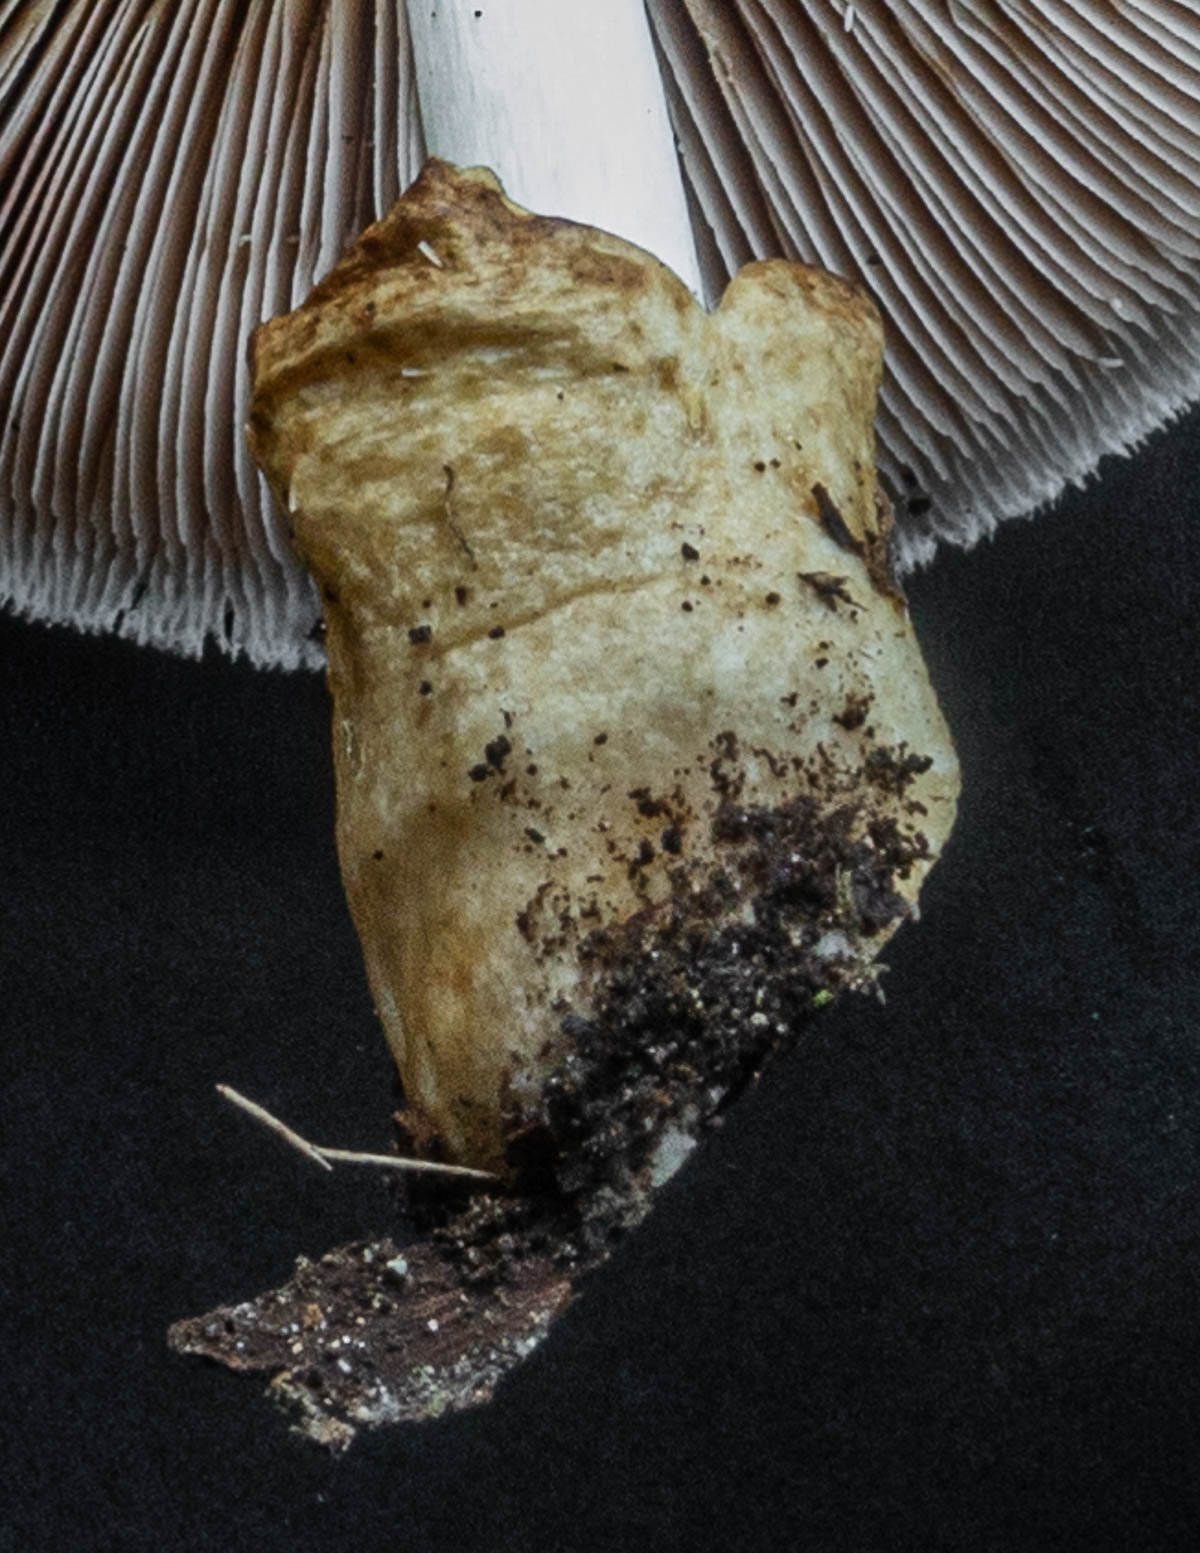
(371, 1334)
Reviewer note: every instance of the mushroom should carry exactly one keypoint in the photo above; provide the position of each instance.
(198, 168)
(1014, 185)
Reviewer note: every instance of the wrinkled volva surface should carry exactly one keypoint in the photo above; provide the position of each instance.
(630, 723)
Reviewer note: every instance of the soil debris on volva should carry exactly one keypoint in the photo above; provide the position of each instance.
(638, 764)
(687, 1006)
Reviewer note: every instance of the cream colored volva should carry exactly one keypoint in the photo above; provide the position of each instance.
(573, 533)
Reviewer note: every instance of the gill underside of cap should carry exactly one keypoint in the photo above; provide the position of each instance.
(1016, 185)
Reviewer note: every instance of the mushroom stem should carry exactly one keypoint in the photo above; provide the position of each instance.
(565, 103)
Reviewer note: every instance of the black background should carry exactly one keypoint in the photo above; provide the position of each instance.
(937, 1283)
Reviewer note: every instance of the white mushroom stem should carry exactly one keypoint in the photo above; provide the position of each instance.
(565, 104)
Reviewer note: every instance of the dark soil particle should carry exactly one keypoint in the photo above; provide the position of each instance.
(893, 771)
(689, 552)
(497, 752)
(645, 852)
(832, 521)
(419, 634)
(648, 807)
(829, 589)
(854, 713)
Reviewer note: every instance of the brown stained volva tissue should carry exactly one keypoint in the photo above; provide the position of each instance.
(637, 759)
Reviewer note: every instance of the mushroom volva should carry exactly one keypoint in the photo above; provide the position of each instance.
(637, 760)
(620, 673)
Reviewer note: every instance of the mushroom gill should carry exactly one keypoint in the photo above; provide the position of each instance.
(1015, 185)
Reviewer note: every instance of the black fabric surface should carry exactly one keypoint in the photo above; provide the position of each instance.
(935, 1286)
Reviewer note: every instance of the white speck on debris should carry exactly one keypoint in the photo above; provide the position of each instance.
(427, 251)
(673, 1148)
